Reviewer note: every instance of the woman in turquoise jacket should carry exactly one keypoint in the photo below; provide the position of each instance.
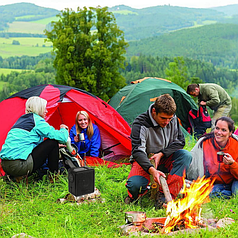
(85, 135)
(25, 149)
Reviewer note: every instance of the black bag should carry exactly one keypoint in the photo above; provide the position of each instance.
(199, 121)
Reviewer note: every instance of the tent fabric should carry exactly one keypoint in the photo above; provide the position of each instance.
(63, 104)
(136, 98)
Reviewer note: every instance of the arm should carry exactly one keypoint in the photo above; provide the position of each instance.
(138, 140)
(43, 129)
(74, 138)
(95, 142)
(212, 94)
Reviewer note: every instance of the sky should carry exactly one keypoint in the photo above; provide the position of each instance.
(61, 4)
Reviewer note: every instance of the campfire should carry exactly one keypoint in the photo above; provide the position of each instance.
(186, 212)
(182, 214)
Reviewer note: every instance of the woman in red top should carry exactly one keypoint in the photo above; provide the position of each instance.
(220, 157)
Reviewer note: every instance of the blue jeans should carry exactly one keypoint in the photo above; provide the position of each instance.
(224, 190)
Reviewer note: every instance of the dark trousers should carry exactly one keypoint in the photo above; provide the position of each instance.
(48, 149)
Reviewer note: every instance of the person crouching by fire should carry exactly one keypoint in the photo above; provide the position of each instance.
(215, 156)
(157, 132)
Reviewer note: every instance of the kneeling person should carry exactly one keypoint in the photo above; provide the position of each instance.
(157, 131)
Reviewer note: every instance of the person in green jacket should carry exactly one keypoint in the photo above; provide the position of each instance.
(213, 96)
(31, 141)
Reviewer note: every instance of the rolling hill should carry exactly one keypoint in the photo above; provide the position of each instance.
(157, 31)
(216, 43)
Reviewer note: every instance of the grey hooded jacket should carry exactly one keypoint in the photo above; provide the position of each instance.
(148, 137)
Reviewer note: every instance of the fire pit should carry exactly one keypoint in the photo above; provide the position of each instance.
(155, 226)
(183, 215)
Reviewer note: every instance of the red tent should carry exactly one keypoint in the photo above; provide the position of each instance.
(63, 104)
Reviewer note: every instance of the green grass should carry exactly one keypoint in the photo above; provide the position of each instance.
(26, 27)
(45, 21)
(30, 46)
(2, 84)
(125, 12)
(26, 17)
(33, 209)
(8, 71)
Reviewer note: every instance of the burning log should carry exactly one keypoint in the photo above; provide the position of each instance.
(186, 211)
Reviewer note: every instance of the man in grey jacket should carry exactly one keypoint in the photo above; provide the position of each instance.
(157, 132)
(213, 96)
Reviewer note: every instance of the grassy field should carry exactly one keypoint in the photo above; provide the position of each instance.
(30, 46)
(33, 209)
(2, 84)
(26, 27)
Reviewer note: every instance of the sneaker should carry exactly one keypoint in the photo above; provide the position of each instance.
(160, 201)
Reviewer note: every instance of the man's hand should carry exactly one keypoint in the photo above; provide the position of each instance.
(157, 157)
(156, 174)
(202, 103)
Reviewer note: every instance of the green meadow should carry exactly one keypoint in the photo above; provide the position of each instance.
(30, 46)
(26, 27)
(8, 71)
(2, 84)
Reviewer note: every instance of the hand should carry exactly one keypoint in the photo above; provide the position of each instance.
(157, 157)
(203, 103)
(156, 174)
(64, 126)
(227, 159)
(76, 138)
(62, 146)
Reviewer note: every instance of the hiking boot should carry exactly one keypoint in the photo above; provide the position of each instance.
(128, 200)
(160, 201)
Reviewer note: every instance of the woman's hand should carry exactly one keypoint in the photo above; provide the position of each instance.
(64, 126)
(76, 138)
(227, 159)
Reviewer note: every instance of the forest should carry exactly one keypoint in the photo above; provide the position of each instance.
(157, 37)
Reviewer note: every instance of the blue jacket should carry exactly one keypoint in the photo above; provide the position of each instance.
(28, 132)
(90, 147)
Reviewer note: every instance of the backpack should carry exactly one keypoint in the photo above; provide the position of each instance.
(199, 121)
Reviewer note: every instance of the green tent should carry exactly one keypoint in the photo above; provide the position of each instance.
(136, 98)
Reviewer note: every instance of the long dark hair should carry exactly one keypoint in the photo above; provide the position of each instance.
(231, 127)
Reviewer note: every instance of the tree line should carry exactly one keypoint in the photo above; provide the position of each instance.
(89, 53)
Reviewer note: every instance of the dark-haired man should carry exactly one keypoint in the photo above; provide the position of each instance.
(213, 96)
(157, 132)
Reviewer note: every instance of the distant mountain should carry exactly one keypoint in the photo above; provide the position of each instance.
(155, 21)
(216, 43)
(228, 10)
(31, 12)
(136, 23)
(160, 30)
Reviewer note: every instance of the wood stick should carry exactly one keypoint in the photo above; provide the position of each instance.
(165, 188)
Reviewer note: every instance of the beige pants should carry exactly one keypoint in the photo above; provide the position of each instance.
(222, 111)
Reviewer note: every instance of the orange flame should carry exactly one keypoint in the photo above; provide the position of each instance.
(186, 211)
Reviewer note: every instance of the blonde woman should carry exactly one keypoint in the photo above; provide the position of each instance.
(25, 149)
(85, 135)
